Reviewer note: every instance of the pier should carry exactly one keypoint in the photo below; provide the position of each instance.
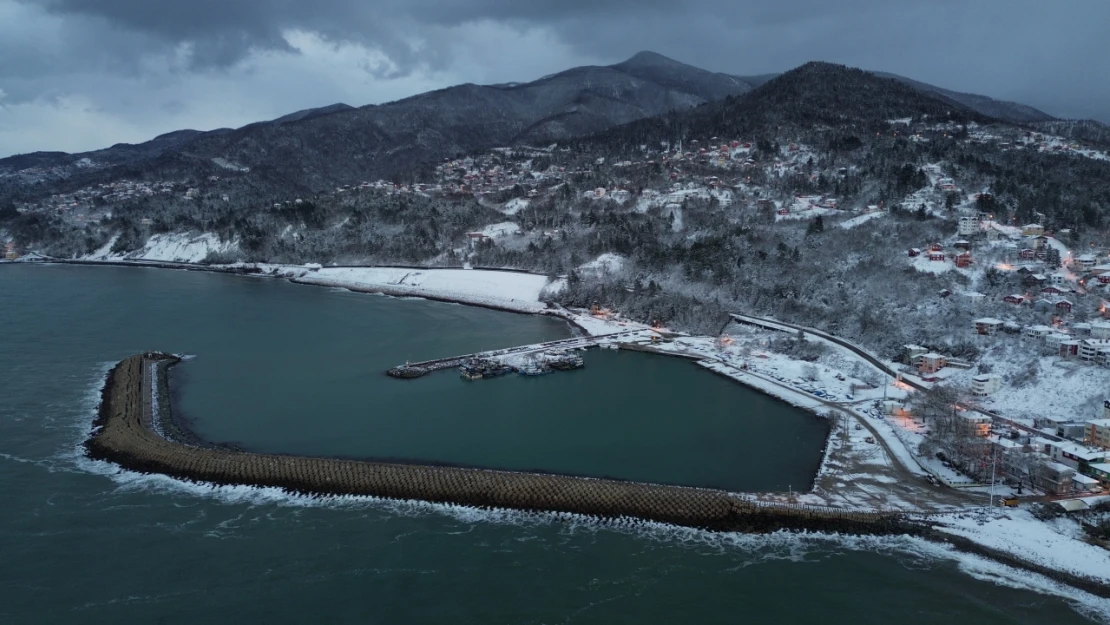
(416, 369)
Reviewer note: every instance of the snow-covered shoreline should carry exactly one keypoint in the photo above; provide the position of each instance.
(522, 293)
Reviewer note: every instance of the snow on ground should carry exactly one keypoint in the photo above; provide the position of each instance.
(179, 247)
(595, 325)
(923, 264)
(503, 229)
(607, 263)
(1053, 387)
(515, 205)
(848, 224)
(105, 251)
(1019, 533)
(510, 290)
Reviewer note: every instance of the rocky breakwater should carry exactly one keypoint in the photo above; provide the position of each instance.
(128, 431)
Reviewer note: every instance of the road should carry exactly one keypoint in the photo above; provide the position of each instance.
(878, 364)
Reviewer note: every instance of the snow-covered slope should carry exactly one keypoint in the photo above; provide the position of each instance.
(181, 247)
(514, 291)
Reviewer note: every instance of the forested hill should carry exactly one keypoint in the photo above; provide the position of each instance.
(816, 96)
(313, 150)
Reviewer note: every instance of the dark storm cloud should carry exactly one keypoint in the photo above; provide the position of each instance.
(218, 62)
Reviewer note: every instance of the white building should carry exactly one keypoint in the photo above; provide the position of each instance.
(983, 385)
(1095, 351)
(988, 326)
(1085, 262)
(1037, 332)
(968, 226)
(1100, 330)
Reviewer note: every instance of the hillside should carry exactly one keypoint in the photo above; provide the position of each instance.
(313, 150)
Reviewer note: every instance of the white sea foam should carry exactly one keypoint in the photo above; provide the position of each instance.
(781, 545)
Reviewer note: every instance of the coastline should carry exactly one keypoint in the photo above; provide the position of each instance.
(124, 433)
(959, 543)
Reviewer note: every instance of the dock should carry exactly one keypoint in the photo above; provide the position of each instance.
(416, 369)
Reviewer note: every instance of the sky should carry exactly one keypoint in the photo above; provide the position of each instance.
(78, 75)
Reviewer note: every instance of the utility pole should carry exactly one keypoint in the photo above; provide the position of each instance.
(994, 466)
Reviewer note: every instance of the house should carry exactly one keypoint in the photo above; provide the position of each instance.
(1058, 279)
(1052, 290)
(1063, 306)
(1101, 472)
(1040, 242)
(1082, 329)
(913, 251)
(911, 352)
(1096, 351)
(1032, 230)
(962, 245)
(1056, 339)
(988, 326)
(1037, 332)
(1098, 433)
(1085, 262)
(1100, 330)
(963, 260)
(1068, 349)
(1028, 254)
(930, 362)
(936, 255)
(1054, 478)
(1075, 455)
(968, 226)
(1014, 299)
(1084, 484)
(983, 385)
(972, 423)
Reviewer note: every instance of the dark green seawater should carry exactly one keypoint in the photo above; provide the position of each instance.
(287, 368)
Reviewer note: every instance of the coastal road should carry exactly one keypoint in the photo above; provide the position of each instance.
(878, 364)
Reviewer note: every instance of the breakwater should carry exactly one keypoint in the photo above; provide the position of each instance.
(132, 430)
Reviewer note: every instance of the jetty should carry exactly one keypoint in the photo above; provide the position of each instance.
(416, 369)
(130, 431)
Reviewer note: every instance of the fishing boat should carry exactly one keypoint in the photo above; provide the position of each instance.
(533, 367)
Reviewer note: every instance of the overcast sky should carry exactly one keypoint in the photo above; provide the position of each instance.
(83, 74)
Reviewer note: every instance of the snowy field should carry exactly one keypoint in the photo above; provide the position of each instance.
(1039, 386)
(178, 247)
(520, 292)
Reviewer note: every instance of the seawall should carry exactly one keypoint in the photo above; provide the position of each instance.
(125, 432)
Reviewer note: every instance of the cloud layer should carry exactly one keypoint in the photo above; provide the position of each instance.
(82, 74)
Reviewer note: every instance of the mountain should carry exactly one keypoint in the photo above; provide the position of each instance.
(813, 96)
(998, 109)
(1086, 130)
(312, 113)
(661, 70)
(314, 149)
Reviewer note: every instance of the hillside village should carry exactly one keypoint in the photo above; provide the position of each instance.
(1032, 346)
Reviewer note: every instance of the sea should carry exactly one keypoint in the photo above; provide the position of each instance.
(282, 368)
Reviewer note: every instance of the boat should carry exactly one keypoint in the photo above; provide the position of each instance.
(478, 368)
(609, 346)
(533, 368)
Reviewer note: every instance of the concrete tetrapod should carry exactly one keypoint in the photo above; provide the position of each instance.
(125, 433)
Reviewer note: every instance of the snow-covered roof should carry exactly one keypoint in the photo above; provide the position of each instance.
(989, 321)
(1072, 505)
(1101, 423)
(1083, 479)
(932, 356)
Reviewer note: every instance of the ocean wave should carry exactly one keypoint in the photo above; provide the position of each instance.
(781, 545)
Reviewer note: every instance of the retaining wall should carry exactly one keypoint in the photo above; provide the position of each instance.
(124, 434)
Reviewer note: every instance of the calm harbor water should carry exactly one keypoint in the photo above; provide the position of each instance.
(286, 368)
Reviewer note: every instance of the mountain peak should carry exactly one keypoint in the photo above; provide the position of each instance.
(647, 58)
